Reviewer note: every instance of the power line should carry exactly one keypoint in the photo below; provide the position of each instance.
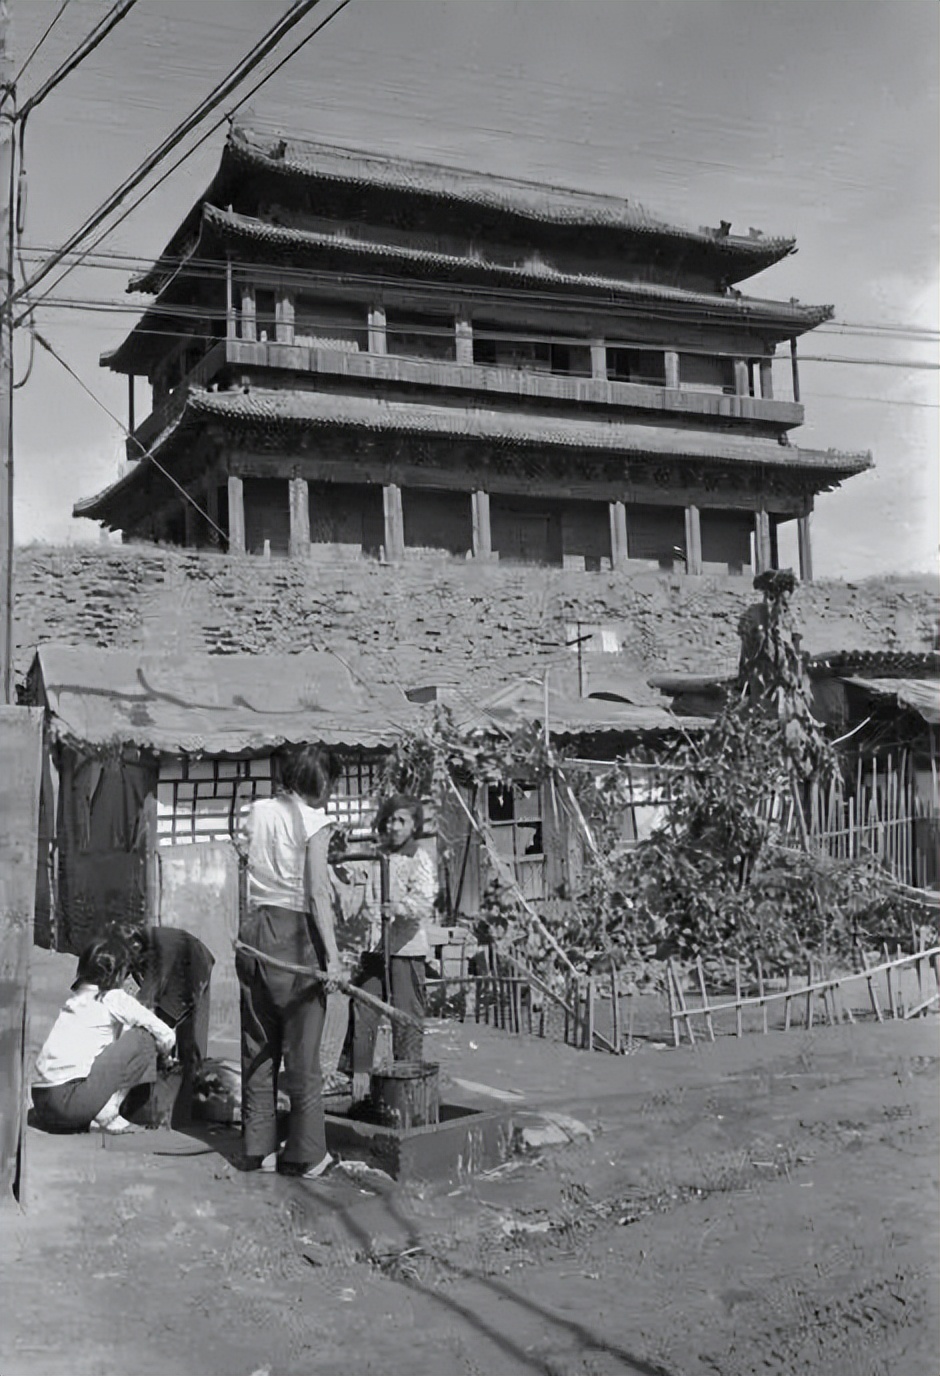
(35, 49)
(196, 116)
(97, 36)
(144, 453)
(199, 142)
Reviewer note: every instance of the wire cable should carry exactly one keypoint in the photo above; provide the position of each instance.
(198, 144)
(97, 36)
(144, 453)
(196, 116)
(36, 46)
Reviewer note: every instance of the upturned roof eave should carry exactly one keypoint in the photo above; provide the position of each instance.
(503, 428)
(738, 255)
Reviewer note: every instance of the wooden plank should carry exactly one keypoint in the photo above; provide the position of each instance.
(872, 991)
(615, 1007)
(786, 1006)
(673, 1011)
(889, 977)
(590, 1013)
(680, 999)
(739, 1024)
(809, 996)
(21, 753)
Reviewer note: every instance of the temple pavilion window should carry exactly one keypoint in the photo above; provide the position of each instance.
(726, 540)
(267, 516)
(437, 520)
(706, 373)
(421, 336)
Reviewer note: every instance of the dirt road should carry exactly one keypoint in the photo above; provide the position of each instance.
(768, 1205)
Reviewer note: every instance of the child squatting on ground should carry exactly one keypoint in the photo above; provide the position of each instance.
(103, 1043)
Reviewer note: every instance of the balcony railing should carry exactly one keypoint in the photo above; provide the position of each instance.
(475, 377)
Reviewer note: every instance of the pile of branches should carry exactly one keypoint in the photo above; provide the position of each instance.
(720, 875)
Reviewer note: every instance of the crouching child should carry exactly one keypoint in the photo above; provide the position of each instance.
(102, 1045)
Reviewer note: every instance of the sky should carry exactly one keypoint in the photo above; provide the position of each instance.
(817, 118)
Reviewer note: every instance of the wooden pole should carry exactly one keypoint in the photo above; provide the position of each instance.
(809, 996)
(680, 998)
(889, 977)
(739, 1026)
(590, 1013)
(786, 1006)
(872, 991)
(7, 222)
(760, 991)
(615, 1008)
(673, 1012)
(709, 1024)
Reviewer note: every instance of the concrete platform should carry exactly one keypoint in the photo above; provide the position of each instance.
(467, 1140)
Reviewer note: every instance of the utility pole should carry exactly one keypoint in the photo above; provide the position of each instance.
(7, 220)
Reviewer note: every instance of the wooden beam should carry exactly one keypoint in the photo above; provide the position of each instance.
(249, 312)
(741, 380)
(378, 343)
(762, 550)
(299, 496)
(463, 339)
(618, 535)
(231, 323)
(693, 540)
(284, 317)
(671, 365)
(131, 423)
(767, 379)
(480, 514)
(794, 370)
(599, 359)
(394, 523)
(805, 547)
(236, 515)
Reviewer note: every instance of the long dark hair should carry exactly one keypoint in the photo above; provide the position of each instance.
(101, 963)
(310, 771)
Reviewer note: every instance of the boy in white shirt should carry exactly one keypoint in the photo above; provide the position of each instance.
(102, 1044)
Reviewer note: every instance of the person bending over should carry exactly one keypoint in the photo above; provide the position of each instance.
(412, 889)
(102, 1044)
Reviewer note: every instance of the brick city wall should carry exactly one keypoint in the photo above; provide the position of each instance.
(434, 619)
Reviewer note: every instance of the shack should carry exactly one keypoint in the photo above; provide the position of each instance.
(147, 762)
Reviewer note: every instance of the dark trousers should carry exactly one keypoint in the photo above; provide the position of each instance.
(281, 1016)
(407, 993)
(129, 1061)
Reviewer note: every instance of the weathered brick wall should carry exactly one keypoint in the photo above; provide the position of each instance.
(432, 620)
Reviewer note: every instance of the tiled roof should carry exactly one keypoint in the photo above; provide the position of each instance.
(921, 695)
(274, 409)
(307, 161)
(226, 228)
(285, 410)
(883, 663)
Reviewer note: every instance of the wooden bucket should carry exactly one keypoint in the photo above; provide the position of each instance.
(406, 1094)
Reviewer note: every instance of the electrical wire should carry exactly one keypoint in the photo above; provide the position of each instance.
(97, 36)
(198, 144)
(35, 49)
(144, 453)
(205, 107)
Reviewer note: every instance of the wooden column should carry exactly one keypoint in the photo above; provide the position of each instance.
(249, 312)
(805, 547)
(480, 516)
(231, 323)
(794, 370)
(284, 318)
(131, 423)
(394, 523)
(377, 337)
(299, 497)
(190, 526)
(767, 378)
(619, 552)
(671, 365)
(741, 383)
(236, 515)
(693, 540)
(599, 359)
(463, 339)
(211, 506)
(762, 550)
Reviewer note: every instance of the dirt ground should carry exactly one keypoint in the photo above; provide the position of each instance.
(762, 1205)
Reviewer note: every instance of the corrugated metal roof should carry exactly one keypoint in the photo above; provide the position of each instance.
(215, 704)
(921, 695)
(525, 700)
